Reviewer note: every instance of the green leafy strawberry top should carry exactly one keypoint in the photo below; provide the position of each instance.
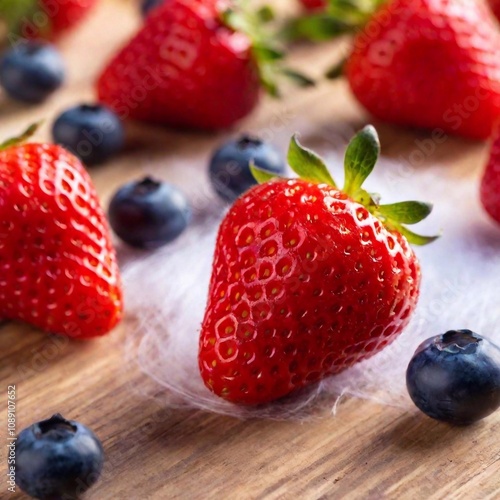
(338, 17)
(269, 38)
(267, 51)
(360, 159)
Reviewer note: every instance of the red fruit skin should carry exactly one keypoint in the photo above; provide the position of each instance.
(70, 12)
(305, 283)
(183, 69)
(313, 5)
(495, 7)
(61, 16)
(58, 269)
(425, 63)
(490, 183)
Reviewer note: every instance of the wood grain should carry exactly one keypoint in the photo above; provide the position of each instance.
(366, 451)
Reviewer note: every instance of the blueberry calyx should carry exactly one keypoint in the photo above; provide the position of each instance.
(146, 186)
(56, 427)
(247, 141)
(458, 341)
(90, 108)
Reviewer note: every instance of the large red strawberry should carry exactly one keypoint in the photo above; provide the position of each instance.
(58, 269)
(427, 64)
(490, 184)
(420, 63)
(187, 68)
(307, 279)
(43, 18)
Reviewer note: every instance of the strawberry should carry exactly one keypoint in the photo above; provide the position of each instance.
(58, 269)
(43, 18)
(427, 65)
(195, 63)
(419, 63)
(490, 184)
(307, 279)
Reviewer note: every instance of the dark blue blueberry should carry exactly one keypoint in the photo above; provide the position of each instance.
(31, 71)
(148, 5)
(57, 458)
(230, 165)
(455, 377)
(92, 132)
(149, 213)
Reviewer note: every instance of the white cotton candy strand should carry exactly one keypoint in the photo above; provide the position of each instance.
(166, 293)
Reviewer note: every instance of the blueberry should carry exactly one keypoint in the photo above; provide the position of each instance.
(31, 71)
(148, 213)
(455, 377)
(230, 165)
(148, 5)
(57, 458)
(92, 132)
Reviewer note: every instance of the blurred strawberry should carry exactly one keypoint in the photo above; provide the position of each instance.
(490, 184)
(195, 63)
(43, 18)
(420, 63)
(412, 73)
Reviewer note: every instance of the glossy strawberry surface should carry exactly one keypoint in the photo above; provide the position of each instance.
(305, 283)
(490, 184)
(184, 68)
(58, 269)
(430, 63)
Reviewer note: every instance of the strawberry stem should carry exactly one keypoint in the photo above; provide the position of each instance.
(406, 212)
(336, 71)
(267, 50)
(307, 164)
(261, 176)
(338, 18)
(18, 140)
(360, 159)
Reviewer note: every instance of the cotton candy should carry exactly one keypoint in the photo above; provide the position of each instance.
(166, 291)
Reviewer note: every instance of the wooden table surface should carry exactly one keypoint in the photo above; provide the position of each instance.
(366, 451)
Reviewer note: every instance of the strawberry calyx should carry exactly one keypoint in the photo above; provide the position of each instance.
(21, 138)
(339, 17)
(267, 51)
(360, 158)
(18, 15)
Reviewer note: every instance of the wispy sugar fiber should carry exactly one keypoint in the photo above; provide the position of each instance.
(166, 293)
